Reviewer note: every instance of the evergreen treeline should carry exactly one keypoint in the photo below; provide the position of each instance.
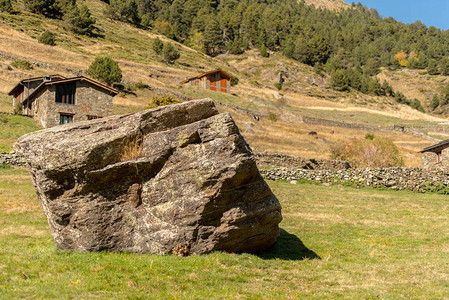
(352, 44)
(357, 36)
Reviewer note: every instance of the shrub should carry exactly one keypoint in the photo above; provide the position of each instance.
(47, 38)
(367, 153)
(158, 45)
(164, 100)
(278, 85)
(5, 6)
(22, 64)
(169, 53)
(264, 52)
(234, 81)
(369, 136)
(272, 117)
(435, 102)
(105, 69)
(140, 85)
(164, 28)
(3, 119)
(18, 109)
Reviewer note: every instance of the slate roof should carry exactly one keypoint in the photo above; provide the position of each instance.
(437, 148)
(65, 80)
(207, 73)
(19, 86)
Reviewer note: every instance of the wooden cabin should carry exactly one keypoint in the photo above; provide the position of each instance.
(216, 80)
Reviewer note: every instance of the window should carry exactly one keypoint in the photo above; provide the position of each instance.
(93, 117)
(65, 93)
(65, 118)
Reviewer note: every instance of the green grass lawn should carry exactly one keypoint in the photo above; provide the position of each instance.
(336, 242)
(12, 127)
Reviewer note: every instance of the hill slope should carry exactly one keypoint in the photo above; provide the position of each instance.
(305, 93)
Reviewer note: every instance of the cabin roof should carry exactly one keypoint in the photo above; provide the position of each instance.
(437, 148)
(207, 73)
(66, 80)
(19, 86)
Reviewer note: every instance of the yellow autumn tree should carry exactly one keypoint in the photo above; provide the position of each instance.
(197, 41)
(401, 57)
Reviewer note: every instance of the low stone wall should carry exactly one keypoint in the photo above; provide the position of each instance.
(290, 161)
(412, 179)
(11, 159)
(332, 123)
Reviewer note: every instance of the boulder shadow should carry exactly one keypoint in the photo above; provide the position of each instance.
(288, 247)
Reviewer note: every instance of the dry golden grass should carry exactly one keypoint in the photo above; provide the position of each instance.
(294, 138)
(414, 83)
(22, 230)
(328, 4)
(131, 149)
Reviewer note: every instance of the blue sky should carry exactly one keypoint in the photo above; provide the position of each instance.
(430, 12)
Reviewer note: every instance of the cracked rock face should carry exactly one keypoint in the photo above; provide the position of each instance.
(174, 177)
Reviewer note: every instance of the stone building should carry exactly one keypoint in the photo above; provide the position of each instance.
(54, 99)
(436, 156)
(216, 80)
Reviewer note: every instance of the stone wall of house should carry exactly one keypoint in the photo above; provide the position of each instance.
(11, 159)
(430, 160)
(89, 101)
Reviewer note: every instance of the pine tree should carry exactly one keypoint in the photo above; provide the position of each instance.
(158, 45)
(48, 8)
(212, 37)
(79, 20)
(5, 6)
(169, 53)
(340, 80)
(444, 66)
(387, 90)
(123, 10)
(263, 51)
(47, 38)
(105, 69)
(432, 67)
(435, 102)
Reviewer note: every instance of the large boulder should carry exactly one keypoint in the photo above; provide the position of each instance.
(178, 177)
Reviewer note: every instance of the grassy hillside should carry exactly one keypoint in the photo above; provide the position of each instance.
(305, 93)
(336, 242)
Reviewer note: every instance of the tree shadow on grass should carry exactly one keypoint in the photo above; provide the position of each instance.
(288, 247)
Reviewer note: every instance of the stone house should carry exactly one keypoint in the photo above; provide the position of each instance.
(436, 156)
(54, 99)
(216, 80)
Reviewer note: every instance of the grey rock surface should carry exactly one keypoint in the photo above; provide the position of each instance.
(174, 177)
